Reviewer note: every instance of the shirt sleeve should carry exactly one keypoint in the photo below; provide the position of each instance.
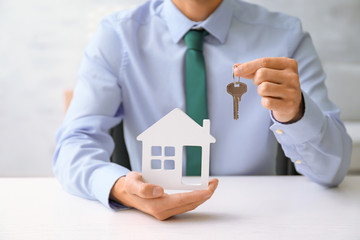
(318, 143)
(83, 145)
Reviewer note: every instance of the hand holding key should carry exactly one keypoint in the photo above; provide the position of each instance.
(278, 83)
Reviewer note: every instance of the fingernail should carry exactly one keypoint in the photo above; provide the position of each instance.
(157, 191)
(237, 70)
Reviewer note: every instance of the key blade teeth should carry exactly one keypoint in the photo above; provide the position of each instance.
(236, 92)
(236, 108)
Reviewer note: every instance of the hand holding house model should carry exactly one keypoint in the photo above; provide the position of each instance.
(163, 154)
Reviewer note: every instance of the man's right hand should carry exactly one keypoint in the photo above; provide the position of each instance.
(132, 191)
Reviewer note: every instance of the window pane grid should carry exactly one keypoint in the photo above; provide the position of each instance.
(160, 157)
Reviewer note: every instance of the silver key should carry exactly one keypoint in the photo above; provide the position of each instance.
(236, 89)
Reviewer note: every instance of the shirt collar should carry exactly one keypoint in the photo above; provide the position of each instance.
(217, 24)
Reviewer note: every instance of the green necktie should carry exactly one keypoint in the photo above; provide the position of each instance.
(195, 90)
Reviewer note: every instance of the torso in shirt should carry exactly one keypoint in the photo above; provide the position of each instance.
(152, 82)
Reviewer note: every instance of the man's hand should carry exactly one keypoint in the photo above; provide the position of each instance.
(278, 84)
(132, 191)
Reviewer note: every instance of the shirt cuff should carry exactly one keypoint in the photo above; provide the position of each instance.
(117, 206)
(308, 127)
(103, 180)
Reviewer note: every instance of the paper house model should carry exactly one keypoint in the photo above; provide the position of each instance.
(163, 151)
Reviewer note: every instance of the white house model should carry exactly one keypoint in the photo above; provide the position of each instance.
(162, 150)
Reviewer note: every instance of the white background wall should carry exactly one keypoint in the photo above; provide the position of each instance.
(41, 43)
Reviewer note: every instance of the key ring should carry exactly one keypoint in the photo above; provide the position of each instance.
(234, 78)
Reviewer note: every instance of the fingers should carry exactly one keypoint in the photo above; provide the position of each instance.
(182, 209)
(151, 198)
(248, 70)
(283, 111)
(213, 183)
(269, 89)
(132, 191)
(276, 83)
(180, 199)
(184, 202)
(284, 101)
(268, 75)
(135, 185)
(272, 103)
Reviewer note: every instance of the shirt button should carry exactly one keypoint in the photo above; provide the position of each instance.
(298, 161)
(279, 131)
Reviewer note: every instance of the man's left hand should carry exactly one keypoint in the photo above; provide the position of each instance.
(278, 84)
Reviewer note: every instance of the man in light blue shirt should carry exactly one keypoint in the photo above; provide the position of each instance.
(133, 70)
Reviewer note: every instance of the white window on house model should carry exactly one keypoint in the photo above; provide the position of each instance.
(162, 158)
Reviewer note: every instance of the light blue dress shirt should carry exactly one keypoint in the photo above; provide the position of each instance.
(133, 70)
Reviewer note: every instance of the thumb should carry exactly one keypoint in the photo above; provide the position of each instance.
(135, 185)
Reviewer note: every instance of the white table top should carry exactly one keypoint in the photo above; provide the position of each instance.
(242, 208)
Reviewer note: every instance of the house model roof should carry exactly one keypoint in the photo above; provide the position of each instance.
(177, 127)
